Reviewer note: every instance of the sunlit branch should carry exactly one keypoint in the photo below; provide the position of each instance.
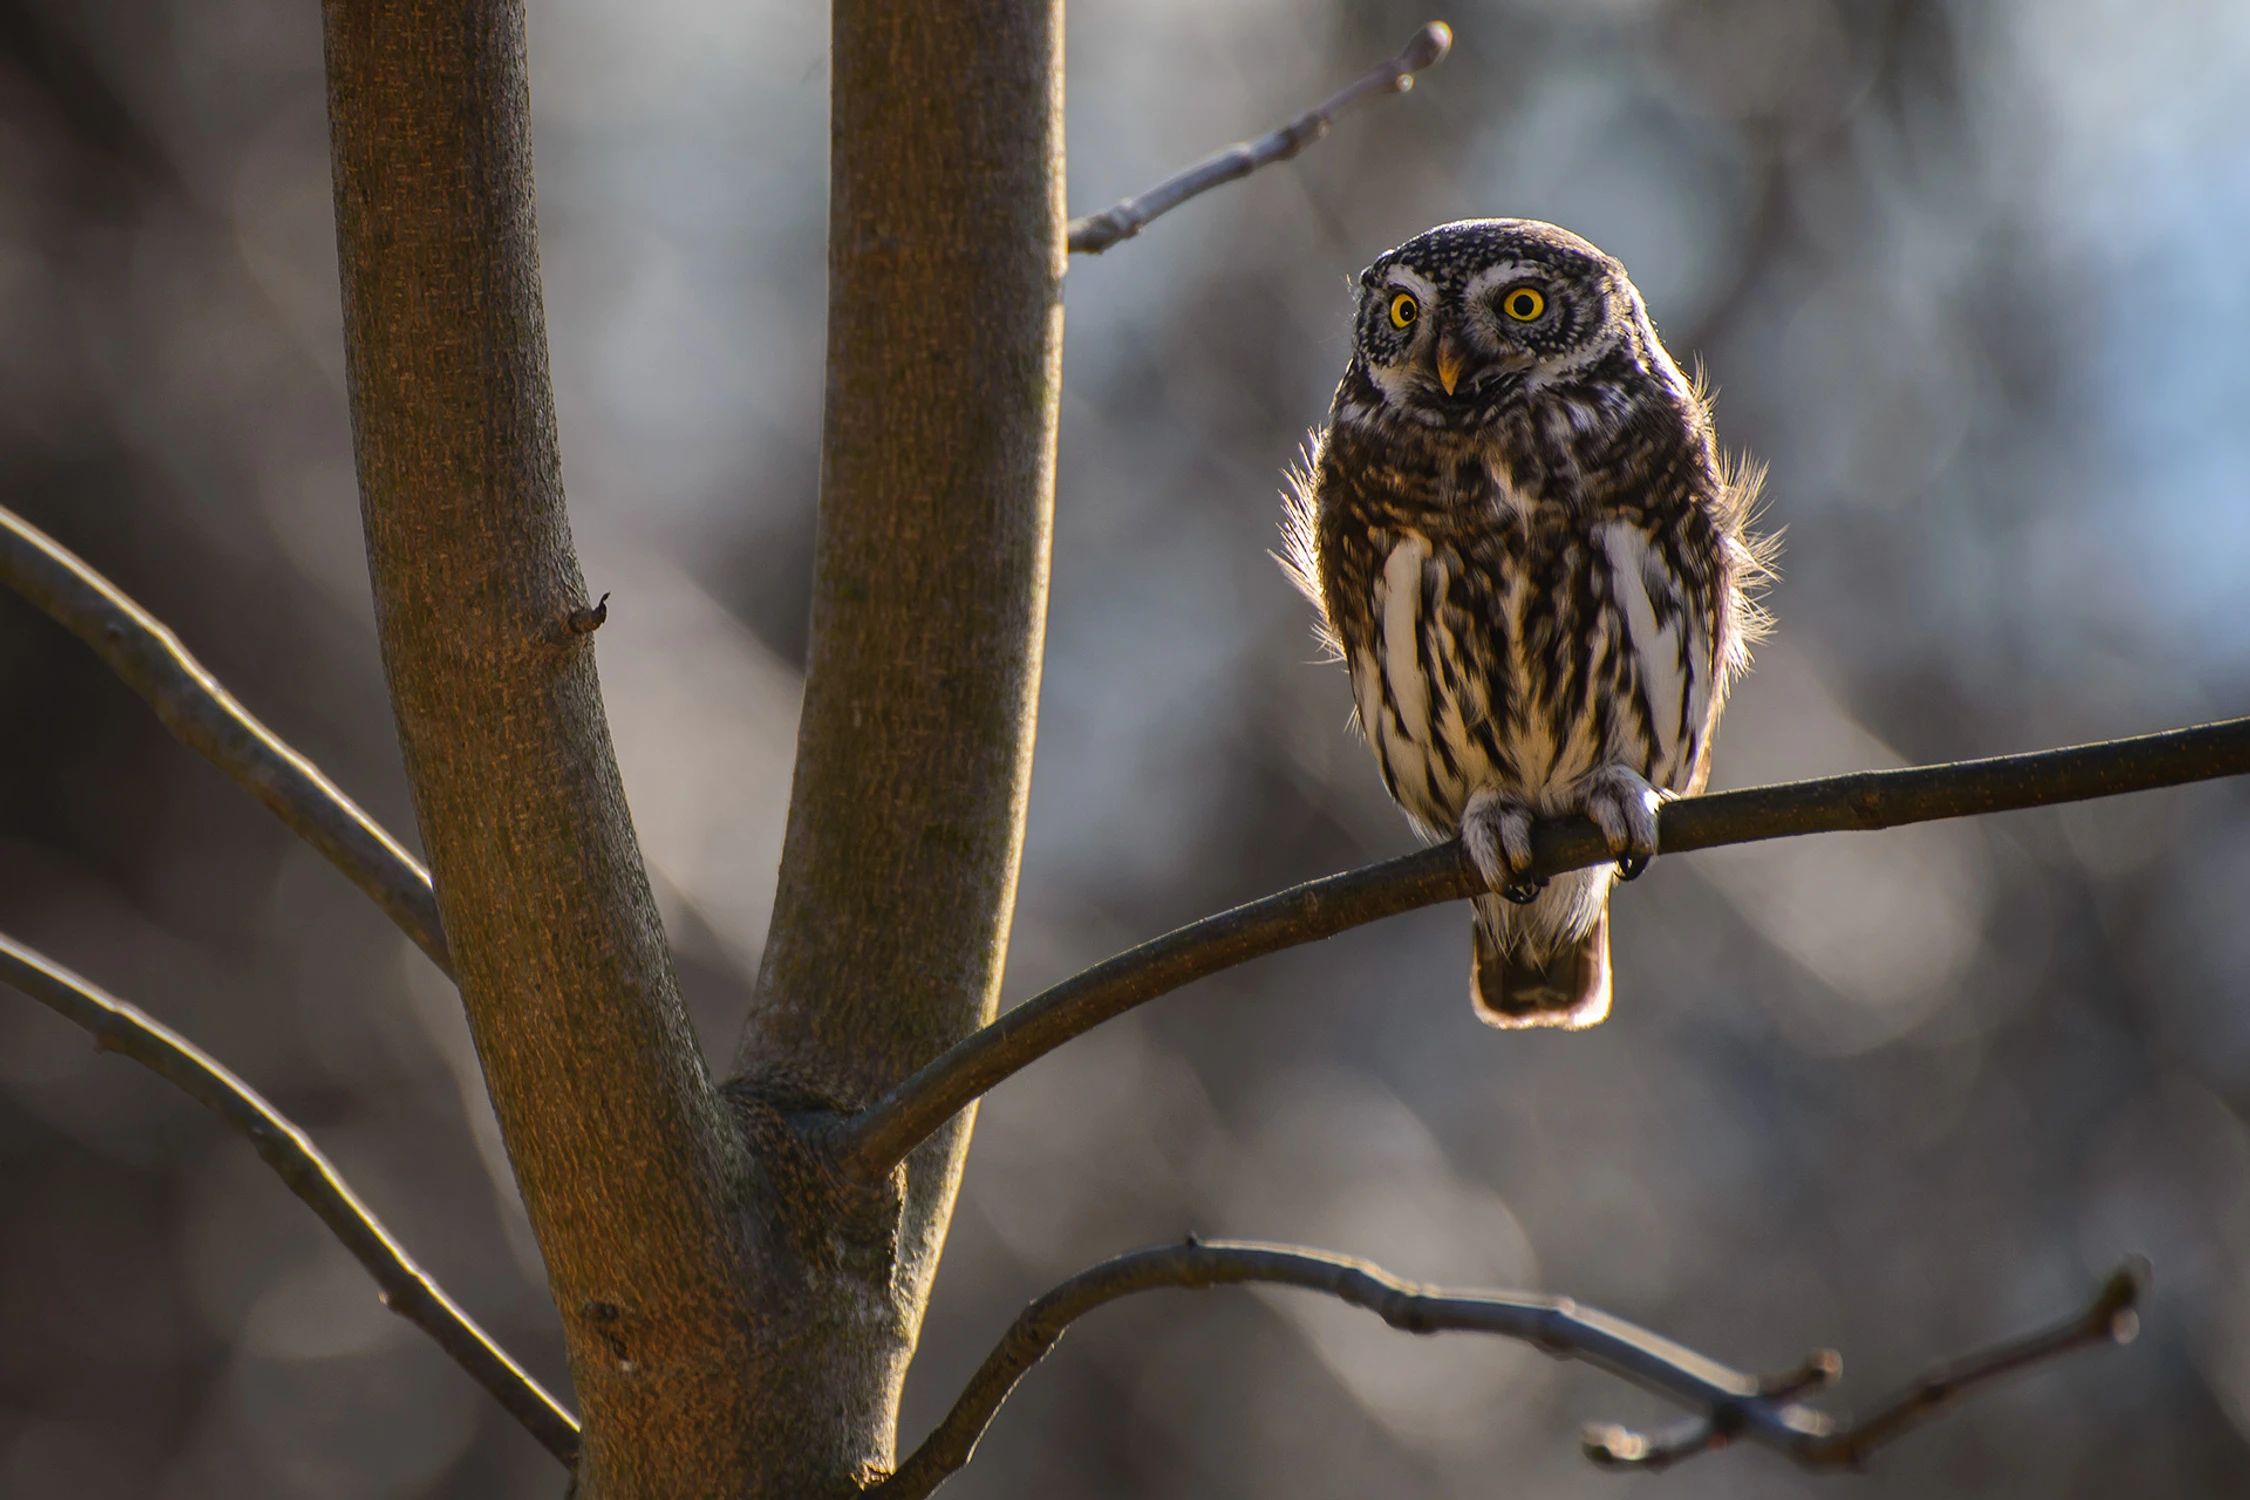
(1728, 1404)
(1097, 232)
(870, 1143)
(206, 717)
(402, 1285)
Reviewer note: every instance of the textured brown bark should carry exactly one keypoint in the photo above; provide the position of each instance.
(738, 1324)
(914, 754)
(944, 343)
(619, 1140)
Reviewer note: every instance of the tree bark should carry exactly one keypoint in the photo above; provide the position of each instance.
(622, 1146)
(899, 865)
(739, 1323)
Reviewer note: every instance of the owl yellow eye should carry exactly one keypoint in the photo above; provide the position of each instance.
(1404, 310)
(1524, 304)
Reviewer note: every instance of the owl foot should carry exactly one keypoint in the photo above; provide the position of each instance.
(1623, 806)
(1497, 834)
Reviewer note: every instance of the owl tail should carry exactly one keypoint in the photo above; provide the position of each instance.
(1569, 990)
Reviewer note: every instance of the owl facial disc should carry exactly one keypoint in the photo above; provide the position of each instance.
(1467, 319)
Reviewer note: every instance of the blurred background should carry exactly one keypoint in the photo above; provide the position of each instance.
(1969, 276)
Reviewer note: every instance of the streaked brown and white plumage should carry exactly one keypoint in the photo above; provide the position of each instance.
(1526, 548)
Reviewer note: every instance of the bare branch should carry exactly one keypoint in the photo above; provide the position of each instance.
(870, 1143)
(208, 720)
(1818, 1443)
(1097, 232)
(403, 1286)
(1728, 1404)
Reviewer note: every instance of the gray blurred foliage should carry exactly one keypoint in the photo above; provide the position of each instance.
(1967, 275)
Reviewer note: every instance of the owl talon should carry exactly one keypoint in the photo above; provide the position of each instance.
(1524, 892)
(1497, 834)
(1624, 807)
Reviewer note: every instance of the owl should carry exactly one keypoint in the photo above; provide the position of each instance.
(1539, 571)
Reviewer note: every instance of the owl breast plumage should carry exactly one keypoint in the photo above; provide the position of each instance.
(1535, 565)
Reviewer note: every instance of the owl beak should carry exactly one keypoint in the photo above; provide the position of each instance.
(1450, 358)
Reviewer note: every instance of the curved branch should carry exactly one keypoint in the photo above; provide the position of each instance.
(1097, 232)
(403, 1286)
(208, 720)
(1728, 1404)
(869, 1143)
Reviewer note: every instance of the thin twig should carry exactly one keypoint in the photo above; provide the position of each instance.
(403, 1286)
(1097, 232)
(868, 1144)
(1727, 1403)
(1817, 1442)
(2112, 1318)
(208, 720)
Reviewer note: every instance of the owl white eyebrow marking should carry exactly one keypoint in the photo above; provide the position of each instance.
(1502, 275)
(1407, 279)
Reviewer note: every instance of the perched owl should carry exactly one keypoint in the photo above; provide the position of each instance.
(1528, 551)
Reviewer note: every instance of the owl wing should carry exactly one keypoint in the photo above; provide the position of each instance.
(1669, 624)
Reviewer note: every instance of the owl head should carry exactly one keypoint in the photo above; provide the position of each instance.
(1466, 319)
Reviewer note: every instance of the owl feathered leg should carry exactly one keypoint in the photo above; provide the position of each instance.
(1623, 806)
(1496, 831)
(1514, 979)
(1520, 975)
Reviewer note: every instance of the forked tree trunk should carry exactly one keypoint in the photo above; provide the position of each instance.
(898, 871)
(735, 1327)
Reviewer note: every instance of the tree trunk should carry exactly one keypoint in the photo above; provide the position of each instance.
(737, 1325)
(898, 873)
